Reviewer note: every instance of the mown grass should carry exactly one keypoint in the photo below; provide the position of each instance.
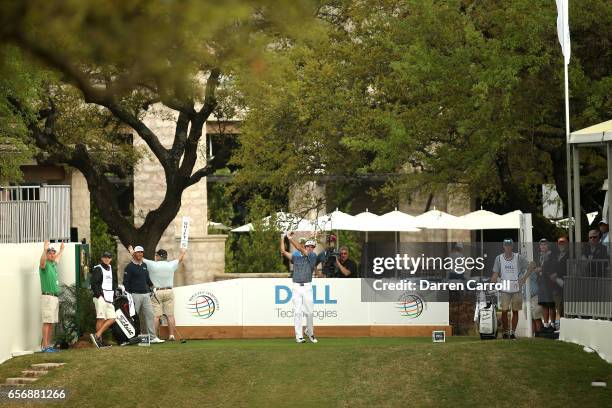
(364, 372)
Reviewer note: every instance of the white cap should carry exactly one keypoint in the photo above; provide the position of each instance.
(138, 248)
(310, 242)
(604, 221)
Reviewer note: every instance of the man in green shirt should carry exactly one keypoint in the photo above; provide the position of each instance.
(49, 285)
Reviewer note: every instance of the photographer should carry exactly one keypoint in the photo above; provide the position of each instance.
(328, 258)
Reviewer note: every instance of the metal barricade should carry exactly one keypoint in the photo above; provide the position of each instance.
(587, 289)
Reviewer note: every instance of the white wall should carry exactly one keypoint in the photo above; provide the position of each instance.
(20, 300)
(596, 334)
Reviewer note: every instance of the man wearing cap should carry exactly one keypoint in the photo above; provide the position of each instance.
(49, 286)
(138, 283)
(511, 267)
(604, 228)
(302, 297)
(103, 285)
(161, 272)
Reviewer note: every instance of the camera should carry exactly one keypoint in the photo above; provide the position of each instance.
(329, 265)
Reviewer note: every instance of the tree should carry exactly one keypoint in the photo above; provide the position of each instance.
(431, 93)
(110, 62)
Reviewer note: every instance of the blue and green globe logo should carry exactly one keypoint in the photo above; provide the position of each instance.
(202, 305)
(410, 305)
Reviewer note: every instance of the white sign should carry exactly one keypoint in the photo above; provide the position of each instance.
(267, 302)
(185, 233)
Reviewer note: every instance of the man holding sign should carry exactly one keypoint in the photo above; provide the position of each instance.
(511, 267)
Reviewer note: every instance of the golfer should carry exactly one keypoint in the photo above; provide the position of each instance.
(103, 285)
(138, 283)
(303, 268)
(49, 285)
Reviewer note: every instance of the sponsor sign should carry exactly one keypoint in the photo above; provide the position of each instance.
(268, 302)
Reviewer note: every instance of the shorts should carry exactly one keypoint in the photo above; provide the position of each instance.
(536, 310)
(163, 302)
(547, 304)
(104, 310)
(49, 306)
(511, 301)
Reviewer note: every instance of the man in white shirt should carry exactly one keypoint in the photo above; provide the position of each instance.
(162, 275)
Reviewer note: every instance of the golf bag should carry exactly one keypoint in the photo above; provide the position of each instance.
(126, 327)
(486, 315)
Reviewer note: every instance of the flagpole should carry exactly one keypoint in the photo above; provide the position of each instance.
(568, 175)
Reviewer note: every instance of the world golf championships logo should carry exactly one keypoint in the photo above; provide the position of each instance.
(410, 305)
(202, 305)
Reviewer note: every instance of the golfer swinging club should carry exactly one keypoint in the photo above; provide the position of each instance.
(303, 268)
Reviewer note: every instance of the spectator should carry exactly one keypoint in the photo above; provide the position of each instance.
(138, 283)
(49, 286)
(536, 309)
(459, 272)
(345, 267)
(162, 275)
(595, 255)
(603, 229)
(103, 285)
(511, 268)
(562, 257)
(547, 267)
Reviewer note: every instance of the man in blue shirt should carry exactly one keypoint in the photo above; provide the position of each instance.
(302, 298)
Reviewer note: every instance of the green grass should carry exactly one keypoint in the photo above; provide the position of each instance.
(363, 372)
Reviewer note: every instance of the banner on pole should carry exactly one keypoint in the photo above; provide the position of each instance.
(185, 232)
(563, 29)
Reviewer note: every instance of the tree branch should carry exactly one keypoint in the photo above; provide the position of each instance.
(210, 98)
(198, 175)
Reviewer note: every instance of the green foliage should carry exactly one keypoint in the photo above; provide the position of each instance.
(118, 66)
(101, 238)
(77, 314)
(431, 93)
(220, 208)
(257, 251)
(18, 82)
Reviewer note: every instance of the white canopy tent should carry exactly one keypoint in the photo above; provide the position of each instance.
(337, 220)
(435, 219)
(284, 222)
(592, 136)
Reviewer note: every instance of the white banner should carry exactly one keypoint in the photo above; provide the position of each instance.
(185, 232)
(267, 302)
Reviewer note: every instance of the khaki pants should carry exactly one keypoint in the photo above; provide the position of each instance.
(163, 302)
(49, 306)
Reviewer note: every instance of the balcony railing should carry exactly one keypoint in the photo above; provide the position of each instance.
(34, 213)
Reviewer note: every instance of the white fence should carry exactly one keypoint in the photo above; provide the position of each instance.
(34, 213)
